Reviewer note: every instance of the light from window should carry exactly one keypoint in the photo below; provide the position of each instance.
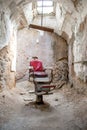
(46, 10)
(46, 5)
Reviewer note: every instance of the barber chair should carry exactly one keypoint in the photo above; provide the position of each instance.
(42, 79)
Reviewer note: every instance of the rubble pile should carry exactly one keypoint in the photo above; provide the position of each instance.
(61, 73)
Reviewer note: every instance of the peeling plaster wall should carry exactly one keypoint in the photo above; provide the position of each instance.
(28, 11)
(79, 51)
(7, 50)
(71, 17)
(64, 11)
(79, 45)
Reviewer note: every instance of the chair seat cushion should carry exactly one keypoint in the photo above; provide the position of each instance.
(42, 80)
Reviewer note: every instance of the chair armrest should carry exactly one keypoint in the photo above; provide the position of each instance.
(48, 68)
(50, 87)
(51, 72)
(31, 72)
(30, 67)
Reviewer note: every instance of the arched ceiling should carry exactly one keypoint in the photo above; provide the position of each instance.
(16, 5)
(64, 21)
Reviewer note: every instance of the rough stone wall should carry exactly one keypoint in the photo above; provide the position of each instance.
(71, 60)
(79, 49)
(28, 11)
(7, 78)
(7, 50)
(3, 30)
(71, 21)
(60, 49)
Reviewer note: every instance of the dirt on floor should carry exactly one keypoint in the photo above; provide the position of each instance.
(65, 109)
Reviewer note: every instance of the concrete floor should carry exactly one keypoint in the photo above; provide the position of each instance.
(63, 110)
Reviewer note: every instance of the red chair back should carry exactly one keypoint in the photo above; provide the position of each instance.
(37, 65)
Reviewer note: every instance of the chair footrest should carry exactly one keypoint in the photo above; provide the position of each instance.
(43, 93)
(47, 88)
(44, 89)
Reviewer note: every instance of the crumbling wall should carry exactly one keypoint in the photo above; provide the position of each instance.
(7, 78)
(71, 21)
(60, 49)
(79, 51)
(7, 50)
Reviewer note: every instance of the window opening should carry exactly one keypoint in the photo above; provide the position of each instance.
(47, 6)
(42, 5)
